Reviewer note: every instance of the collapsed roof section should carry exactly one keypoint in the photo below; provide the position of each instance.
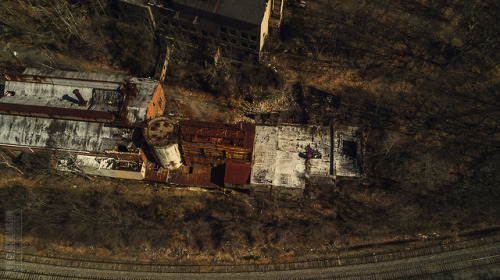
(348, 152)
(110, 167)
(59, 94)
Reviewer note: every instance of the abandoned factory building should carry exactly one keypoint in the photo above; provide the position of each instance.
(231, 28)
(78, 114)
(115, 126)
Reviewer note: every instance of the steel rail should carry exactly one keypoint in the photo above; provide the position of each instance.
(410, 271)
(339, 261)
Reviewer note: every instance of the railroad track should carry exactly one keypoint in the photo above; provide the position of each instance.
(481, 254)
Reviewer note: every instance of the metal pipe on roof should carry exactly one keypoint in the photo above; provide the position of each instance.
(83, 102)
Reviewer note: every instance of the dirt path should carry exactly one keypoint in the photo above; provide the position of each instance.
(204, 110)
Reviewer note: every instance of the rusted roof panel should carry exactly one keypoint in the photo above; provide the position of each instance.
(198, 175)
(59, 134)
(214, 143)
(237, 173)
(231, 135)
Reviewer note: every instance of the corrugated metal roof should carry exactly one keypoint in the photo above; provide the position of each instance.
(237, 173)
(46, 133)
(242, 133)
(198, 175)
(249, 11)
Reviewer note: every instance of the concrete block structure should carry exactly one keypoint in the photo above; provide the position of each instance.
(235, 29)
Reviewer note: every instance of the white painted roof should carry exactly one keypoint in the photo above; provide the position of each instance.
(59, 96)
(55, 88)
(69, 135)
(280, 155)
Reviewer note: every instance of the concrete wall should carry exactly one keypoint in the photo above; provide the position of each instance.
(229, 35)
(264, 27)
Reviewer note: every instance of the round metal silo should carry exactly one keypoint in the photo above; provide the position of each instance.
(162, 135)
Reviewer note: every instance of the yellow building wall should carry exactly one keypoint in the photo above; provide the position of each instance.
(264, 29)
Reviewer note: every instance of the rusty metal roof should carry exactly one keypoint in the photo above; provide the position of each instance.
(211, 143)
(198, 175)
(237, 173)
(215, 153)
(230, 135)
(59, 134)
